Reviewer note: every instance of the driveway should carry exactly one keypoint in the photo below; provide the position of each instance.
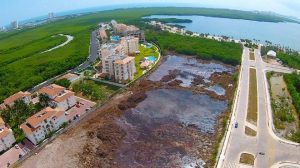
(79, 110)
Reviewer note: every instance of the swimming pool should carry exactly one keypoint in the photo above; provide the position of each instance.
(115, 38)
(149, 45)
(151, 59)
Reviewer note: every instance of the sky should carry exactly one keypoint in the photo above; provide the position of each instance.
(25, 9)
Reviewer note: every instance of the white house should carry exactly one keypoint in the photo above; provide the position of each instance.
(60, 97)
(42, 123)
(7, 138)
(24, 96)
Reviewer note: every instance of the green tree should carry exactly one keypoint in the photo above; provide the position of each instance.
(63, 82)
(44, 100)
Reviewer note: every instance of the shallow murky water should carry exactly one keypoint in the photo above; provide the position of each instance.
(189, 68)
(217, 89)
(158, 129)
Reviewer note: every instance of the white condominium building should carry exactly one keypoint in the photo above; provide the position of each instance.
(60, 97)
(130, 45)
(39, 125)
(124, 69)
(7, 138)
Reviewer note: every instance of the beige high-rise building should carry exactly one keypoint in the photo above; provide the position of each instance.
(124, 69)
(108, 65)
(109, 53)
(116, 63)
(130, 45)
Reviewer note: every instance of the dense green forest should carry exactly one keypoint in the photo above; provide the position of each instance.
(293, 83)
(290, 60)
(23, 66)
(227, 52)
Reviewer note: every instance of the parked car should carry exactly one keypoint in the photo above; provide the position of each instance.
(236, 124)
(17, 146)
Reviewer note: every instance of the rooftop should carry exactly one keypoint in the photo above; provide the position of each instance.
(52, 89)
(46, 113)
(271, 53)
(63, 97)
(4, 132)
(15, 97)
(1, 122)
(125, 60)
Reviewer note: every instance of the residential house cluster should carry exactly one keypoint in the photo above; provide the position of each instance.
(7, 138)
(49, 119)
(118, 61)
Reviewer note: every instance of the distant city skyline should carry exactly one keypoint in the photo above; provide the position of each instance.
(11, 10)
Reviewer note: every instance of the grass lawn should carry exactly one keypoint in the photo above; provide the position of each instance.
(144, 52)
(247, 158)
(252, 99)
(252, 57)
(249, 131)
(95, 91)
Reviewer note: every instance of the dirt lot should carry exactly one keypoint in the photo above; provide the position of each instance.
(95, 140)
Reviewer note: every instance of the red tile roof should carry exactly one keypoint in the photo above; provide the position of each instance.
(64, 96)
(46, 113)
(15, 97)
(52, 89)
(4, 132)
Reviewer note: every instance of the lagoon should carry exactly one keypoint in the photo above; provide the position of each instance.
(283, 33)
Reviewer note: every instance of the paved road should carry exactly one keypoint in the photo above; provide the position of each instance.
(266, 141)
(90, 59)
(69, 39)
